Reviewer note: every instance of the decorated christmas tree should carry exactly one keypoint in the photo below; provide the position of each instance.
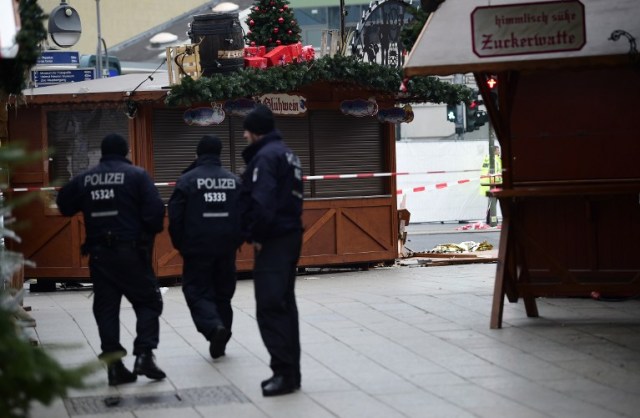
(272, 23)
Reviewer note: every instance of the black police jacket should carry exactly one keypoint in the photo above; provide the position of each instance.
(203, 214)
(118, 200)
(272, 190)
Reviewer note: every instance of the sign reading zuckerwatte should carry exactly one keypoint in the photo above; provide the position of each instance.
(528, 28)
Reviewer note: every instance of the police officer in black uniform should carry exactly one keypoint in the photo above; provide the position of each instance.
(204, 227)
(271, 209)
(122, 213)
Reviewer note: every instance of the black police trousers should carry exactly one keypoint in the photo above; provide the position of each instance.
(208, 284)
(124, 270)
(274, 276)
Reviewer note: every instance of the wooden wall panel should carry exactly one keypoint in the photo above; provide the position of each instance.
(27, 127)
(571, 125)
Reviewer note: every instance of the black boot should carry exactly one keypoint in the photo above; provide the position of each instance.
(297, 381)
(146, 365)
(118, 374)
(279, 385)
(218, 341)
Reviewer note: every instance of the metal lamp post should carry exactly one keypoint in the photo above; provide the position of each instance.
(99, 47)
(343, 35)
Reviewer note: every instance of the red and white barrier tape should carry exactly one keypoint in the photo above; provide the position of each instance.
(371, 175)
(436, 186)
(31, 189)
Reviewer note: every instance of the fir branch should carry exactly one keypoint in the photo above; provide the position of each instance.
(250, 82)
(14, 72)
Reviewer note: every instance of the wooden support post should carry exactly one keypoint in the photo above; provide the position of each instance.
(501, 272)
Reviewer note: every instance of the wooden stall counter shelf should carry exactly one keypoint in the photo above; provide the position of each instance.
(567, 239)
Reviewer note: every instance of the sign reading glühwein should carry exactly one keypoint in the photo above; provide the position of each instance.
(528, 28)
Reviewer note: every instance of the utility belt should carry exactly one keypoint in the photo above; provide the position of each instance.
(111, 241)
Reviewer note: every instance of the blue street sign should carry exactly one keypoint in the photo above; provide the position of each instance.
(58, 57)
(48, 77)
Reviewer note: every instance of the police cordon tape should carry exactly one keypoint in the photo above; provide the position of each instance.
(370, 175)
(436, 186)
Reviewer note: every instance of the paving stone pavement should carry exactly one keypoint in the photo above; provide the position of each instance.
(387, 342)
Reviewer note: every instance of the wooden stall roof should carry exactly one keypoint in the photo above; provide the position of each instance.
(445, 44)
(139, 86)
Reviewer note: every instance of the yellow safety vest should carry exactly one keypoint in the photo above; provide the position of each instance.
(489, 179)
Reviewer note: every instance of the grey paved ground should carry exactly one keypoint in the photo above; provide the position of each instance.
(388, 342)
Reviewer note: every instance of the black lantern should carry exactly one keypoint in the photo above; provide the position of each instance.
(64, 25)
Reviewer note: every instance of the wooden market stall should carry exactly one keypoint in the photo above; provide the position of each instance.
(347, 222)
(564, 110)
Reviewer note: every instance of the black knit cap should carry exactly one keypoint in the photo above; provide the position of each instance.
(209, 144)
(260, 120)
(114, 144)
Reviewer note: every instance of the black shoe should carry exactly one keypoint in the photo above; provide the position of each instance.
(218, 341)
(279, 385)
(146, 365)
(297, 381)
(118, 374)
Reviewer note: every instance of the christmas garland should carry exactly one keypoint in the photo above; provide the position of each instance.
(251, 82)
(14, 72)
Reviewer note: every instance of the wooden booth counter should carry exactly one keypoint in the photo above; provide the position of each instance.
(347, 221)
(564, 111)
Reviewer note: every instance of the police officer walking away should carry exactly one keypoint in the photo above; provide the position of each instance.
(122, 213)
(205, 229)
(271, 209)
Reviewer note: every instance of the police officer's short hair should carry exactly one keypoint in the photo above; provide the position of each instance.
(114, 144)
(209, 144)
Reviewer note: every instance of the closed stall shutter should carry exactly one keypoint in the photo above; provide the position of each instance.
(175, 142)
(74, 138)
(295, 133)
(347, 145)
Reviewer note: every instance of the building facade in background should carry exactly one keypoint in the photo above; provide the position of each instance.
(120, 19)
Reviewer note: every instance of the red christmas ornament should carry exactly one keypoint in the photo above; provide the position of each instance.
(278, 42)
(257, 9)
(281, 10)
(289, 31)
(253, 43)
(293, 22)
(281, 20)
(276, 30)
(251, 22)
(285, 7)
(272, 3)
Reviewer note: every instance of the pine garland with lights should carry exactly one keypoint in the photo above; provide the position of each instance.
(272, 23)
(14, 72)
(251, 82)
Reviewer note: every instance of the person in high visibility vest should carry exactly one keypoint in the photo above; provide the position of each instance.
(489, 179)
